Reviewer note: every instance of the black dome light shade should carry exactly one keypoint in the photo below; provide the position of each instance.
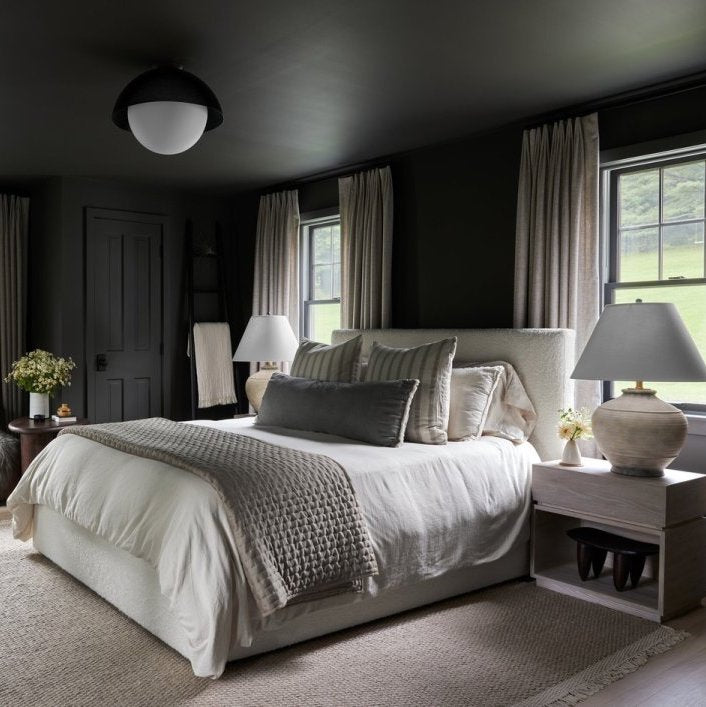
(167, 109)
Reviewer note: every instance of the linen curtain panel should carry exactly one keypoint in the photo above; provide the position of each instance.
(366, 249)
(14, 221)
(557, 234)
(276, 286)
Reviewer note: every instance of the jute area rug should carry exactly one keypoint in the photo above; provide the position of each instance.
(60, 644)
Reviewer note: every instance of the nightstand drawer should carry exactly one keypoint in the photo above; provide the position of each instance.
(677, 497)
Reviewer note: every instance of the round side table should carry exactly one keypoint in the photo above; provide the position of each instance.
(34, 436)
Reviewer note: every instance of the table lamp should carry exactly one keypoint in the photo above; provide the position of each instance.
(638, 433)
(268, 338)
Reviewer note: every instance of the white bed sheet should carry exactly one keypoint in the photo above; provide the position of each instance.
(429, 509)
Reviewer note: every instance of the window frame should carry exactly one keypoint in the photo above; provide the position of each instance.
(610, 174)
(307, 223)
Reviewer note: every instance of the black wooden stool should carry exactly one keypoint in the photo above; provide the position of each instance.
(628, 555)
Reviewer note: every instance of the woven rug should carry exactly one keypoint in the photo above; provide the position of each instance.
(60, 644)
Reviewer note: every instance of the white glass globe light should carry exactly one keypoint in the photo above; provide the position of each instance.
(167, 127)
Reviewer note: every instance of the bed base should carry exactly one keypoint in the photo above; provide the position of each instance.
(131, 585)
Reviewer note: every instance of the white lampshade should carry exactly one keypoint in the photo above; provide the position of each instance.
(267, 337)
(640, 341)
(167, 127)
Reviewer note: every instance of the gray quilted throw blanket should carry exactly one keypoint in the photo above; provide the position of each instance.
(296, 521)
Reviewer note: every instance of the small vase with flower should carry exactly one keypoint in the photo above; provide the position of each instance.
(573, 426)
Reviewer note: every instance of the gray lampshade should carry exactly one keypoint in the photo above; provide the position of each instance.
(267, 337)
(641, 341)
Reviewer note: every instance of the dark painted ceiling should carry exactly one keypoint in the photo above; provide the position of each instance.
(309, 85)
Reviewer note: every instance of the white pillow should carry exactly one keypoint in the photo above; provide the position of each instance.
(471, 394)
(511, 415)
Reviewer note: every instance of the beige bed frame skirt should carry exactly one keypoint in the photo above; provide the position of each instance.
(131, 585)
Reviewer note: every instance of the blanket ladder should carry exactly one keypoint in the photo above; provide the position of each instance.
(206, 294)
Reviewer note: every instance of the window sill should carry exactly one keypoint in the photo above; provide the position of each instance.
(697, 424)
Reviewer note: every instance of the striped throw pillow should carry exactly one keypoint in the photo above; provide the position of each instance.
(328, 362)
(430, 364)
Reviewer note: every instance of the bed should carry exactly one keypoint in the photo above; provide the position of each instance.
(443, 520)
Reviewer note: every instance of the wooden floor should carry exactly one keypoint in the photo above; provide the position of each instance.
(677, 677)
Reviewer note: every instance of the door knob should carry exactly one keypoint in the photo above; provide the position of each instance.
(101, 362)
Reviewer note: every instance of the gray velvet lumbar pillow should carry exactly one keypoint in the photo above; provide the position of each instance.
(328, 362)
(370, 412)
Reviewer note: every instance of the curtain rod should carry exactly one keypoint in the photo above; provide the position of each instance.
(343, 171)
(623, 99)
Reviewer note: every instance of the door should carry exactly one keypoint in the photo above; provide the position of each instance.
(123, 315)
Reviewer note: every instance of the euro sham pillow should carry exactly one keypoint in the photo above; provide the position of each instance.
(430, 364)
(470, 397)
(376, 413)
(511, 415)
(328, 362)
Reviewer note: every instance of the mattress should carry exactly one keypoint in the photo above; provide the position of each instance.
(432, 512)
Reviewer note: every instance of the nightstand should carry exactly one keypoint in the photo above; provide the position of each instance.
(667, 511)
(34, 436)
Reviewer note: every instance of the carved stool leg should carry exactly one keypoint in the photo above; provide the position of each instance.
(598, 560)
(584, 555)
(621, 570)
(636, 567)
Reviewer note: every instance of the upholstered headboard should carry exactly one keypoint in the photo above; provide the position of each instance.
(544, 359)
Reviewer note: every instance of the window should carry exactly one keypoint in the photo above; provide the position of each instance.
(655, 222)
(321, 277)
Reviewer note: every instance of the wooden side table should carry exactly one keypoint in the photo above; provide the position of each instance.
(34, 436)
(667, 512)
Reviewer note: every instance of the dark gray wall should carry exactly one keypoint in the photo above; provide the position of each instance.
(57, 296)
(454, 224)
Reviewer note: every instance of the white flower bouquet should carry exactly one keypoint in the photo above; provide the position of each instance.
(41, 372)
(575, 424)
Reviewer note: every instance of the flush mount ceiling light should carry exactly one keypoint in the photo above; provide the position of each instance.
(167, 109)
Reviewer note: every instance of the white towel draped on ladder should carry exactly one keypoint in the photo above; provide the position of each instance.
(214, 364)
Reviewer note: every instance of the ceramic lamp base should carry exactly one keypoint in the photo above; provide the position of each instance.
(638, 433)
(256, 384)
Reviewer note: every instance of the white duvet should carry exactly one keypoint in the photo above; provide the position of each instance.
(429, 509)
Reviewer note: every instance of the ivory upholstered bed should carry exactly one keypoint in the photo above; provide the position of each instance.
(443, 519)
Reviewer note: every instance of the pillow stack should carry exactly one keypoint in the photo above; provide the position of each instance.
(406, 393)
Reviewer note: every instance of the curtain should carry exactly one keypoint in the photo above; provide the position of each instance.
(557, 234)
(276, 286)
(14, 222)
(366, 249)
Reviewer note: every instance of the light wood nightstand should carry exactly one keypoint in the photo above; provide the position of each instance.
(667, 511)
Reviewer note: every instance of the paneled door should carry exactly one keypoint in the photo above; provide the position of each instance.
(123, 315)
